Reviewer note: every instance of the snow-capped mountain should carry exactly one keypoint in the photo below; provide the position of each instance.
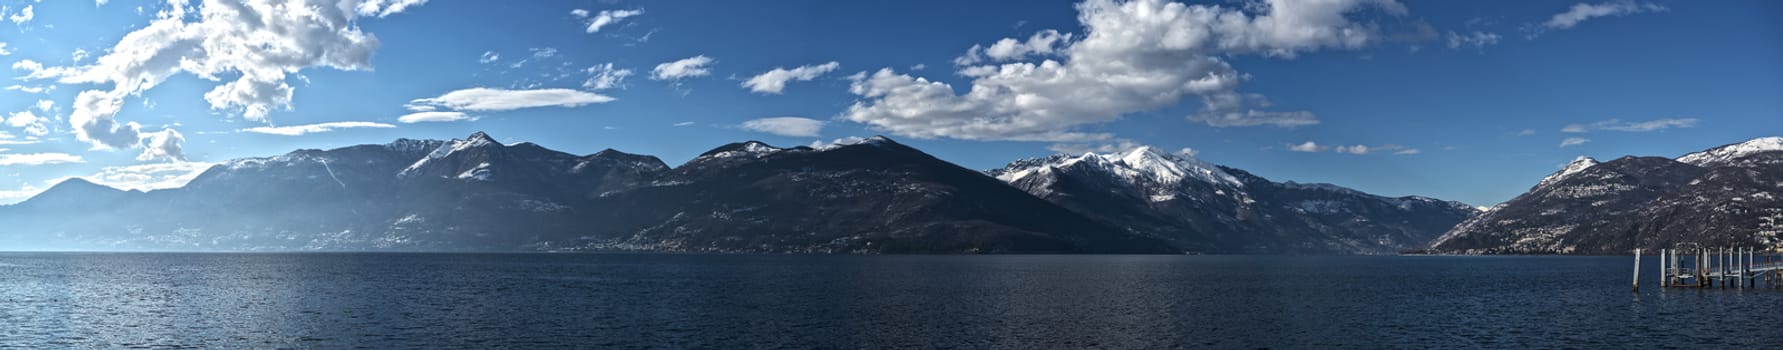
(1726, 195)
(1203, 207)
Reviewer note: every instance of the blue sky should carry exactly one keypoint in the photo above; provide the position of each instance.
(1468, 101)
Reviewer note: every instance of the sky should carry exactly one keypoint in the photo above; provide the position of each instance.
(1466, 101)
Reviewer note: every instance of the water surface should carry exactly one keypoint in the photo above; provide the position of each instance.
(733, 301)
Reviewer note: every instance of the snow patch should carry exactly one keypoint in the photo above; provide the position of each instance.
(1724, 154)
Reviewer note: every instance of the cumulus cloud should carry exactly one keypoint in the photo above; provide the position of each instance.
(1581, 12)
(696, 66)
(24, 15)
(1045, 42)
(1132, 56)
(255, 44)
(28, 122)
(605, 18)
(493, 99)
(9, 159)
(434, 117)
(1309, 146)
(3, 51)
(1619, 125)
(1573, 141)
(296, 130)
(785, 126)
(774, 81)
(163, 145)
(489, 57)
(605, 76)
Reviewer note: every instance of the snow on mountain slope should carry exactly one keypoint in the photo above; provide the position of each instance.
(1723, 155)
(1577, 165)
(1142, 164)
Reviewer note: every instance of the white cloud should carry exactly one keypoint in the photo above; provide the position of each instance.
(605, 76)
(3, 51)
(24, 15)
(774, 81)
(488, 57)
(608, 17)
(1526, 132)
(579, 13)
(918, 67)
(140, 177)
(10, 159)
(19, 195)
(1619, 125)
(493, 99)
(696, 66)
(45, 105)
(538, 53)
(1188, 151)
(1572, 141)
(148, 177)
(1228, 109)
(257, 44)
(1112, 146)
(296, 130)
(29, 122)
(31, 89)
(785, 126)
(78, 55)
(683, 124)
(1366, 150)
(1045, 42)
(383, 8)
(1476, 40)
(1582, 11)
(434, 117)
(1132, 56)
(1309, 146)
(162, 145)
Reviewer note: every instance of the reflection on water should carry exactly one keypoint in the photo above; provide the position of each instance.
(682, 301)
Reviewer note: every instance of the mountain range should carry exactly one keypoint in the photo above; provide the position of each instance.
(870, 196)
(1723, 196)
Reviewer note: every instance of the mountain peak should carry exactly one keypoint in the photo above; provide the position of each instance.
(1720, 155)
(751, 148)
(480, 136)
(1577, 165)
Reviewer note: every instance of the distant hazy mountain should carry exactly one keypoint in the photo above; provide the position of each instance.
(1723, 196)
(1202, 207)
(874, 196)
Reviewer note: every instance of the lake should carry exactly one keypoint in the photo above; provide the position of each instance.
(52, 300)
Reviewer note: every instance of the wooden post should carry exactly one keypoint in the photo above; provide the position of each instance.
(1637, 270)
(1662, 282)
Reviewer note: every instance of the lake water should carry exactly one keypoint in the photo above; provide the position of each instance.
(51, 300)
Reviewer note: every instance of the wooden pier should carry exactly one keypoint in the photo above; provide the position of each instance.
(1709, 267)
